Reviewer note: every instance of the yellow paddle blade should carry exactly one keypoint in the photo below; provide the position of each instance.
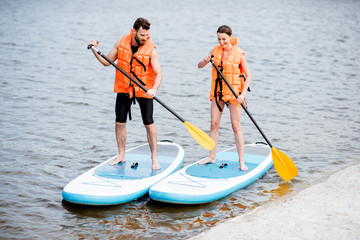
(200, 136)
(283, 165)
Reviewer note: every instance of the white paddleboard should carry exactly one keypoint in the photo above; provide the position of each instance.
(124, 182)
(197, 184)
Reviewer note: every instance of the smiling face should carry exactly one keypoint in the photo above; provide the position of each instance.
(141, 35)
(224, 40)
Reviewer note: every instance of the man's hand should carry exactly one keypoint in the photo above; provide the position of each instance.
(150, 93)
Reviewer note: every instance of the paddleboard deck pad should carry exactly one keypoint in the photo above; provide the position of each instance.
(108, 184)
(196, 184)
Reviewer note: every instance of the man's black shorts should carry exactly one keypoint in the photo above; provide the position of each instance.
(123, 104)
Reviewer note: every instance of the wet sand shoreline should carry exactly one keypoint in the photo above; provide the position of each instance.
(327, 210)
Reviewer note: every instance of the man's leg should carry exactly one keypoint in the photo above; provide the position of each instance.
(147, 109)
(120, 132)
(122, 107)
(152, 139)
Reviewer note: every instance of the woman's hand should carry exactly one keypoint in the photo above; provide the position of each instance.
(241, 98)
(94, 43)
(207, 58)
(204, 61)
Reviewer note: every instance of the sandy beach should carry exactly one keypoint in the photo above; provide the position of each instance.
(328, 210)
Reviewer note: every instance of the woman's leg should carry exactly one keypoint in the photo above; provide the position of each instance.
(235, 116)
(214, 129)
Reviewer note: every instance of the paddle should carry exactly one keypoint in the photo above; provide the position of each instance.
(199, 135)
(283, 164)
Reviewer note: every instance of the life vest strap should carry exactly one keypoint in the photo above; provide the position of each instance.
(143, 65)
(133, 99)
(137, 78)
(218, 94)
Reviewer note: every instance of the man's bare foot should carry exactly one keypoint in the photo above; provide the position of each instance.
(118, 159)
(243, 167)
(156, 166)
(207, 160)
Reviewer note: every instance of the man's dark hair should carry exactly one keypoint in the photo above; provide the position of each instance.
(141, 22)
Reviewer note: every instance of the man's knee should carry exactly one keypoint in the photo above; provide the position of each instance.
(120, 125)
(149, 126)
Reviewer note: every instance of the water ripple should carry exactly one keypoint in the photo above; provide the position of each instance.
(57, 105)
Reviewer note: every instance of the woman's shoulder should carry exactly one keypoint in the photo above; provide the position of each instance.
(238, 50)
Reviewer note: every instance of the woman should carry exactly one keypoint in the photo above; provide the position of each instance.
(231, 61)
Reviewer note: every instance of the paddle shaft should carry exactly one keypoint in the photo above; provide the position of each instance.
(236, 95)
(135, 81)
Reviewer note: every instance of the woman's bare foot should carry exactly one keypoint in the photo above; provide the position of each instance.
(207, 160)
(118, 159)
(243, 167)
(156, 165)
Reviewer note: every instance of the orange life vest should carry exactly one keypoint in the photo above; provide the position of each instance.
(137, 65)
(232, 71)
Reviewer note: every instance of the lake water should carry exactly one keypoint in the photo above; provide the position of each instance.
(57, 105)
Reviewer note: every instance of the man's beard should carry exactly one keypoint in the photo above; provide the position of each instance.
(138, 41)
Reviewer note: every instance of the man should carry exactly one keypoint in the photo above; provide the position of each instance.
(137, 56)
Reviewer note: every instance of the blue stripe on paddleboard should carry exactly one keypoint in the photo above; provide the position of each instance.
(124, 170)
(231, 170)
(198, 199)
(102, 200)
(215, 172)
(233, 156)
(113, 176)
